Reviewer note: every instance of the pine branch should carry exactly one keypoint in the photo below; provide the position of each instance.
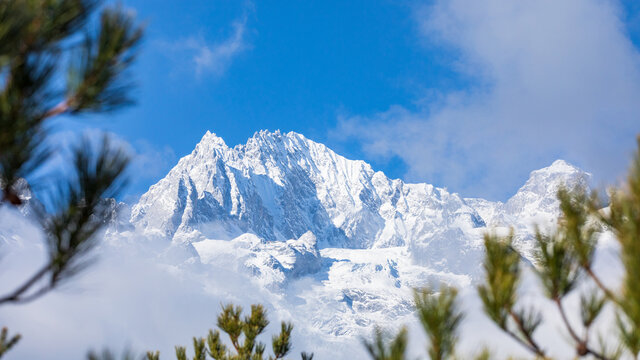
(521, 341)
(610, 295)
(440, 318)
(16, 296)
(380, 349)
(528, 341)
(152, 355)
(61, 108)
(582, 348)
(7, 343)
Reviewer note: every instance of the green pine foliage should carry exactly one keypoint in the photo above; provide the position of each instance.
(42, 42)
(502, 265)
(382, 349)
(623, 219)
(440, 318)
(499, 292)
(6, 342)
(565, 258)
(242, 333)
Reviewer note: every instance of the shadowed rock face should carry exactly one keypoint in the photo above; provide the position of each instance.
(280, 186)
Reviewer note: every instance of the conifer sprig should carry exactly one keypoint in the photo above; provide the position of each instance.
(242, 333)
(440, 318)
(499, 293)
(382, 349)
(35, 37)
(7, 342)
(71, 231)
(623, 219)
(37, 31)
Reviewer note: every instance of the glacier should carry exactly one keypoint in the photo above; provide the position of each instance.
(326, 241)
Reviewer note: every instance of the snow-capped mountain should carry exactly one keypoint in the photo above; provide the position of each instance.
(281, 208)
(314, 236)
(280, 186)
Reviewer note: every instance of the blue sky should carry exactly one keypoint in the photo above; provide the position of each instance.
(471, 95)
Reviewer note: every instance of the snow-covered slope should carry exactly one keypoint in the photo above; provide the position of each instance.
(285, 210)
(279, 186)
(323, 240)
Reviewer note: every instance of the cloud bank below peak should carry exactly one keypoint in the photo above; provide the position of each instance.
(549, 80)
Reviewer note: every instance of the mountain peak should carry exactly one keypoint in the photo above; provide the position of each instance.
(537, 201)
(210, 139)
(560, 166)
(280, 186)
(558, 173)
(276, 135)
(264, 133)
(560, 163)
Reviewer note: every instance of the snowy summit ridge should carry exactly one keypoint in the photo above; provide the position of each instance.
(279, 186)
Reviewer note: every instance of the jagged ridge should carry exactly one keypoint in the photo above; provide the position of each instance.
(279, 186)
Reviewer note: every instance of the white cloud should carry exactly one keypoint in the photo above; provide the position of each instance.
(126, 299)
(139, 294)
(215, 58)
(143, 295)
(550, 79)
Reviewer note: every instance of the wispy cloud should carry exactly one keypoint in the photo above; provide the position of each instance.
(215, 58)
(202, 56)
(551, 79)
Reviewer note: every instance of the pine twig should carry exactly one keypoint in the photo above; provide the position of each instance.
(16, 295)
(530, 343)
(601, 285)
(61, 108)
(582, 347)
(6, 345)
